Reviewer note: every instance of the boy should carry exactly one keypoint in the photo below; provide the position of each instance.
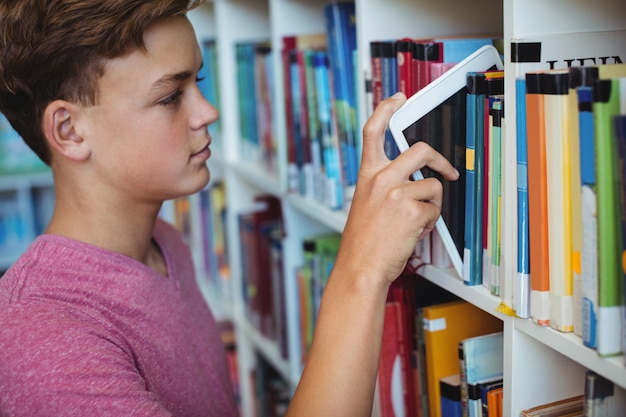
(101, 315)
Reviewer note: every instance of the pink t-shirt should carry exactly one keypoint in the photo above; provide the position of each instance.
(89, 332)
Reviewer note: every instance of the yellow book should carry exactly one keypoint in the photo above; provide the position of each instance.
(555, 90)
(445, 325)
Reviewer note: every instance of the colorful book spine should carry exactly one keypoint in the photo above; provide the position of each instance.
(578, 77)
(472, 252)
(620, 139)
(450, 387)
(606, 105)
(341, 34)
(333, 189)
(389, 87)
(495, 177)
(480, 359)
(521, 301)
(598, 395)
(537, 203)
(589, 285)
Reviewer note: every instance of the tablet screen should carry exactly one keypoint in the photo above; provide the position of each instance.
(444, 129)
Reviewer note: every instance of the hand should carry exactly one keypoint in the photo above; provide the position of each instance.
(389, 212)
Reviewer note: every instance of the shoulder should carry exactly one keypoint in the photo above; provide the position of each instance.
(51, 353)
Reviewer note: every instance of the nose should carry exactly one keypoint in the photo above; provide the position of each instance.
(203, 112)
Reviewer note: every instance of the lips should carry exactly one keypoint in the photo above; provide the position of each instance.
(205, 152)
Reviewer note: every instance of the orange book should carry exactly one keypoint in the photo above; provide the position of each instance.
(537, 203)
(494, 402)
(445, 325)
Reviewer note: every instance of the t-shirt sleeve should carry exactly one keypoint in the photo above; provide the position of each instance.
(54, 364)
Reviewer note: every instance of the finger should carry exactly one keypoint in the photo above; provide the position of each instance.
(422, 155)
(374, 130)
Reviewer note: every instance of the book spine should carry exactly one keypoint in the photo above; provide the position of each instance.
(537, 203)
(522, 282)
(589, 285)
(341, 35)
(496, 181)
(333, 190)
(555, 89)
(389, 87)
(404, 57)
(610, 303)
(377, 72)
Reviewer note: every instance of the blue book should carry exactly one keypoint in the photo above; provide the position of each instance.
(589, 221)
(475, 123)
(457, 49)
(450, 396)
(333, 189)
(484, 390)
(496, 111)
(522, 284)
(481, 359)
(341, 34)
(389, 72)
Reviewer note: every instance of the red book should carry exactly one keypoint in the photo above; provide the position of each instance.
(404, 58)
(377, 72)
(425, 52)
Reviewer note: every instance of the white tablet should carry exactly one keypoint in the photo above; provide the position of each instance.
(437, 115)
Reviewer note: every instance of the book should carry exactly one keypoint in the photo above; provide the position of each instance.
(419, 293)
(425, 52)
(389, 61)
(333, 177)
(589, 255)
(481, 358)
(554, 87)
(606, 105)
(290, 45)
(392, 365)
(545, 52)
(521, 293)
(598, 395)
(481, 86)
(473, 253)
(404, 58)
(341, 36)
(450, 387)
(494, 401)
(445, 325)
(480, 392)
(257, 228)
(549, 51)
(377, 72)
(578, 77)
(319, 253)
(496, 120)
(537, 202)
(566, 407)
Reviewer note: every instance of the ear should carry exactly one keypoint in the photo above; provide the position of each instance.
(60, 129)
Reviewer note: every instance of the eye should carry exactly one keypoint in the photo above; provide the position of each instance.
(200, 79)
(171, 99)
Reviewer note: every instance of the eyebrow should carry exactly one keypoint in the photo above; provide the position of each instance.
(169, 79)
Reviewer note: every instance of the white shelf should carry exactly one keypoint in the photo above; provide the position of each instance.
(571, 345)
(531, 351)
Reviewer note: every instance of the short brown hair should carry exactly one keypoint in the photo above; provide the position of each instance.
(57, 49)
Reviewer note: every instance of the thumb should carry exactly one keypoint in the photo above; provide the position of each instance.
(374, 130)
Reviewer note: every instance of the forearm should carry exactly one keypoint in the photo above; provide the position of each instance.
(340, 375)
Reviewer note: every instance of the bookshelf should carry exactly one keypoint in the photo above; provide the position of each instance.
(26, 202)
(541, 364)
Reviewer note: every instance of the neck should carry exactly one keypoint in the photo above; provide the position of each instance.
(125, 228)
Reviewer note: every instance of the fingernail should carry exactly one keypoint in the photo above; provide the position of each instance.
(398, 95)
